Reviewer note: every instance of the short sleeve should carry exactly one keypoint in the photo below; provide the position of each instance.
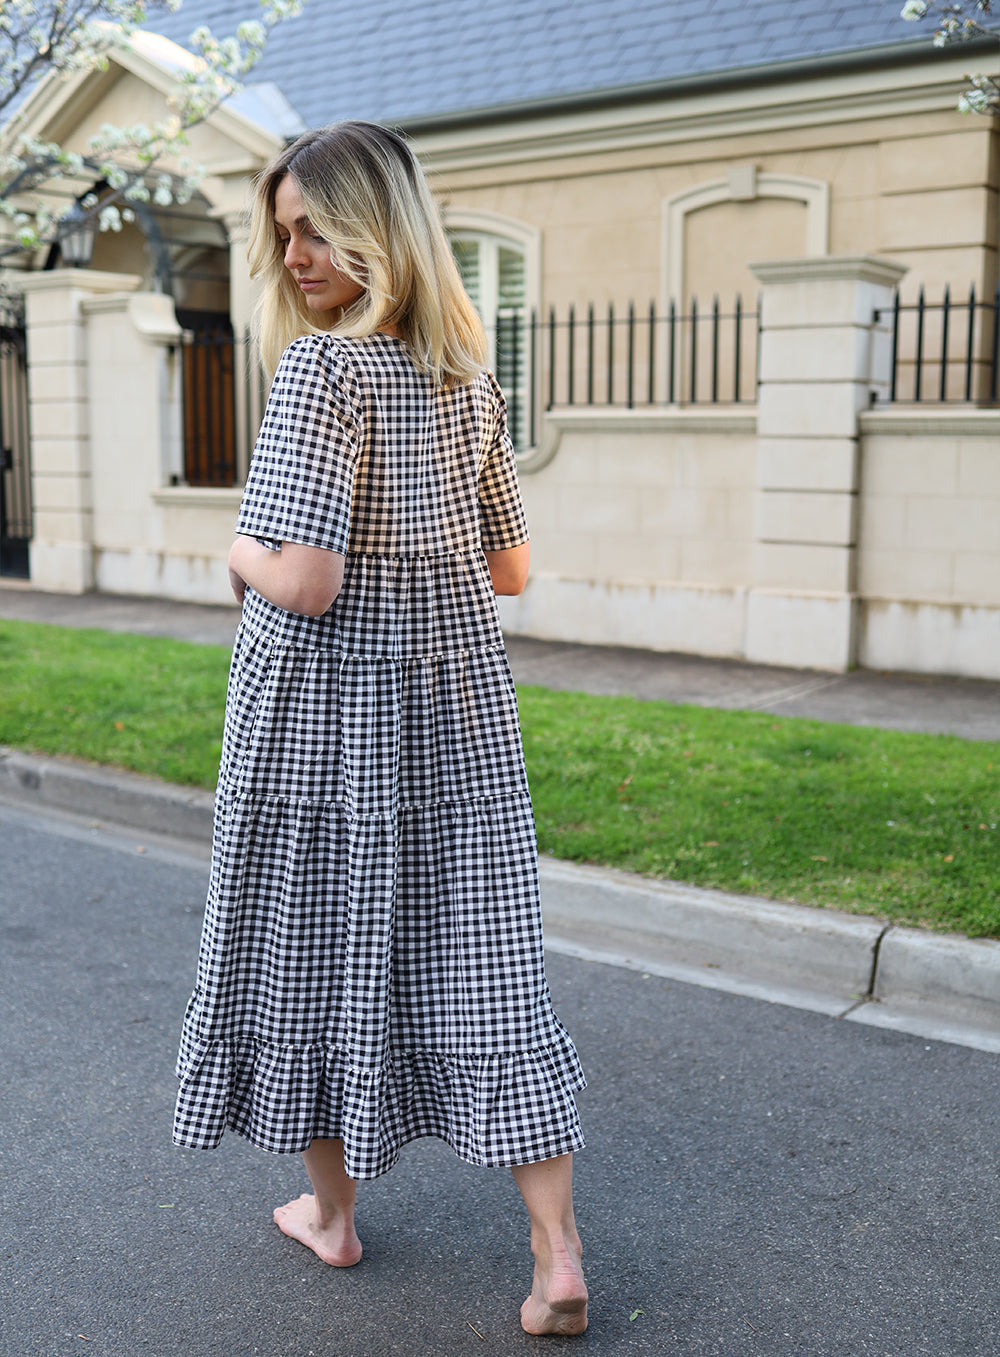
(301, 479)
(501, 510)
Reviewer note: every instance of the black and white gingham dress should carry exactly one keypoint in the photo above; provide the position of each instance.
(371, 962)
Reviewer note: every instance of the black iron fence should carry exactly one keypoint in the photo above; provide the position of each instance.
(627, 358)
(224, 392)
(942, 351)
(946, 351)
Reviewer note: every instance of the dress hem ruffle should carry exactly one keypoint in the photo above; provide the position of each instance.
(494, 1110)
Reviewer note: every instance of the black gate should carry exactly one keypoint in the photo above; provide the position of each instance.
(15, 466)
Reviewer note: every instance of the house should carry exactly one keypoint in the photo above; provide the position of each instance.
(740, 275)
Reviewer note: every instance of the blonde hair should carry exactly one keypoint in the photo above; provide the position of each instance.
(365, 193)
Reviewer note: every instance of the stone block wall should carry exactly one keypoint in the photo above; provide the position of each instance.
(808, 530)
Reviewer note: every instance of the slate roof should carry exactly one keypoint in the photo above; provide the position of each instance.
(408, 60)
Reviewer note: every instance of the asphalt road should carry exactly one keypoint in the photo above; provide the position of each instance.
(759, 1180)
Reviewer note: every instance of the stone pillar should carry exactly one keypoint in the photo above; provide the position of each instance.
(61, 552)
(821, 355)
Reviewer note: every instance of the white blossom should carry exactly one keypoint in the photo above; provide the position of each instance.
(252, 33)
(110, 218)
(974, 101)
(64, 36)
(956, 23)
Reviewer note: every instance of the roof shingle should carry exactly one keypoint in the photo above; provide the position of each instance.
(403, 60)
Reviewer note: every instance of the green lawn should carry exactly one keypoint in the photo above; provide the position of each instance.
(879, 822)
(894, 824)
(152, 705)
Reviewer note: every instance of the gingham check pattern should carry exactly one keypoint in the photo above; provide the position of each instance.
(371, 961)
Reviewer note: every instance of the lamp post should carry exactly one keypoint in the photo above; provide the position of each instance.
(76, 237)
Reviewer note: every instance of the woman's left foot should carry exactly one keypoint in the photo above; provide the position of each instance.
(558, 1300)
(337, 1244)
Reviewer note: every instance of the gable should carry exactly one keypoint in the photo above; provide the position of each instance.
(132, 88)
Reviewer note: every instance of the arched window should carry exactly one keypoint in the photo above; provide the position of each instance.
(498, 262)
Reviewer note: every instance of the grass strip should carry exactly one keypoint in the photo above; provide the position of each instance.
(896, 824)
(891, 823)
(144, 703)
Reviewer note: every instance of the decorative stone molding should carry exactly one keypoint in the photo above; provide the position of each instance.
(151, 313)
(934, 420)
(597, 419)
(199, 497)
(862, 268)
(529, 238)
(76, 280)
(743, 183)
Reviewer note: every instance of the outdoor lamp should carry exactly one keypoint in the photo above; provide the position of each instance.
(76, 237)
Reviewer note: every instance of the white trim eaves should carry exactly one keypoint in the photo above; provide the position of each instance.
(714, 112)
(46, 101)
(156, 60)
(263, 104)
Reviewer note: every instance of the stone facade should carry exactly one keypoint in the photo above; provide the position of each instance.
(802, 529)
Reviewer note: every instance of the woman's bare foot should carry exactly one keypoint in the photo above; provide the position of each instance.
(336, 1242)
(558, 1300)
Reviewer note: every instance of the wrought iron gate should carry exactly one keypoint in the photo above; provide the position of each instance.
(209, 356)
(15, 466)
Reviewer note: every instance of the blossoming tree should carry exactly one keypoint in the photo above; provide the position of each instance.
(137, 164)
(957, 23)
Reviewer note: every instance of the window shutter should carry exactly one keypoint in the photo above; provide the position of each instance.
(466, 254)
(511, 271)
(494, 274)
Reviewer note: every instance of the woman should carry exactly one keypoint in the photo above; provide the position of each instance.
(371, 964)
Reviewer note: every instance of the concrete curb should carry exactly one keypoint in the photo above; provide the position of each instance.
(847, 965)
(106, 795)
(814, 958)
(938, 985)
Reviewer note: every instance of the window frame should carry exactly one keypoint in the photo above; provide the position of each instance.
(496, 232)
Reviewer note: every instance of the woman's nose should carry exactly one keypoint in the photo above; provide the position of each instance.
(293, 254)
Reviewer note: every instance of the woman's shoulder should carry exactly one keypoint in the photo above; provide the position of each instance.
(312, 351)
(344, 355)
(318, 360)
(488, 392)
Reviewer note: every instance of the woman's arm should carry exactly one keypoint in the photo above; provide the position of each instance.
(297, 578)
(509, 568)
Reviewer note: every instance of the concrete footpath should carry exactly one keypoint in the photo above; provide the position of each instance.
(849, 966)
